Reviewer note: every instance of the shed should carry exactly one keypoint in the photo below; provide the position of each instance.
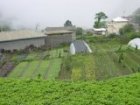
(99, 31)
(79, 46)
(59, 35)
(21, 39)
(135, 43)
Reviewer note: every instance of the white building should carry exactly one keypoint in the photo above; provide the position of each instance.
(116, 24)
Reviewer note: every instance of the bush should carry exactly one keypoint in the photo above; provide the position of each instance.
(127, 29)
(112, 35)
(133, 35)
(79, 31)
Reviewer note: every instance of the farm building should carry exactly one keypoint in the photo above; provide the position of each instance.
(115, 25)
(79, 46)
(59, 35)
(21, 39)
(135, 43)
(99, 31)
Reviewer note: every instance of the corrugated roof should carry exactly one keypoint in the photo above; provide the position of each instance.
(70, 28)
(59, 30)
(22, 34)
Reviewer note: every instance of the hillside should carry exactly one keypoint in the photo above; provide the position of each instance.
(117, 91)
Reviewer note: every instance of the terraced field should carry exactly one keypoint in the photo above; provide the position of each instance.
(107, 56)
(46, 64)
(103, 63)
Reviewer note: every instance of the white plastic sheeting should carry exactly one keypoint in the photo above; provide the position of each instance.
(79, 46)
(135, 43)
(72, 49)
(89, 49)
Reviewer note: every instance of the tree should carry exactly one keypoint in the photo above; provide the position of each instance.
(136, 16)
(127, 29)
(68, 23)
(4, 28)
(79, 31)
(100, 17)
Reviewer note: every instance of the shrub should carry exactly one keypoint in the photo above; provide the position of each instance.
(127, 29)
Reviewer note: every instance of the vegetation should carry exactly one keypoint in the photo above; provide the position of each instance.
(68, 23)
(100, 17)
(34, 64)
(4, 28)
(79, 31)
(136, 17)
(127, 29)
(110, 58)
(118, 91)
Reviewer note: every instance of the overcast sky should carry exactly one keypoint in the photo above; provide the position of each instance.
(28, 13)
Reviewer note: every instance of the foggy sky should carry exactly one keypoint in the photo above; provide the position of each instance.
(28, 13)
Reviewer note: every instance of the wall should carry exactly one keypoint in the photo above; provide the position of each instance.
(114, 27)
(21, 44)
(56, 40)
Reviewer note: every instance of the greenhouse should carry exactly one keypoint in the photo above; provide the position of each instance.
(79, 46)
(135, 43)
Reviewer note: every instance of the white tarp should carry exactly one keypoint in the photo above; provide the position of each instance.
(135, 43)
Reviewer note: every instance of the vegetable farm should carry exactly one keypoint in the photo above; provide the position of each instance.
(45, 64)
(117, 91)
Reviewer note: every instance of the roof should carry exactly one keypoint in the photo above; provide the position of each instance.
(99, 29)
(135, 43)
(120, 19)
(18, 35)
(59, 30)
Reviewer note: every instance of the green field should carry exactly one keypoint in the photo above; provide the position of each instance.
(46, 64)
(103, 63)
(117, 91)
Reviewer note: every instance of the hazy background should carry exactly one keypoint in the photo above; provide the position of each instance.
(29, 13)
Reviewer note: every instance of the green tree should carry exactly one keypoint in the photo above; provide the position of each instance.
(68, 23)
(100, 20)
(127, 29)
(136, 16)
(79, 31)
(5, 28)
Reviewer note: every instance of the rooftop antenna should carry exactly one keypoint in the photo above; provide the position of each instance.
(37, 27)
